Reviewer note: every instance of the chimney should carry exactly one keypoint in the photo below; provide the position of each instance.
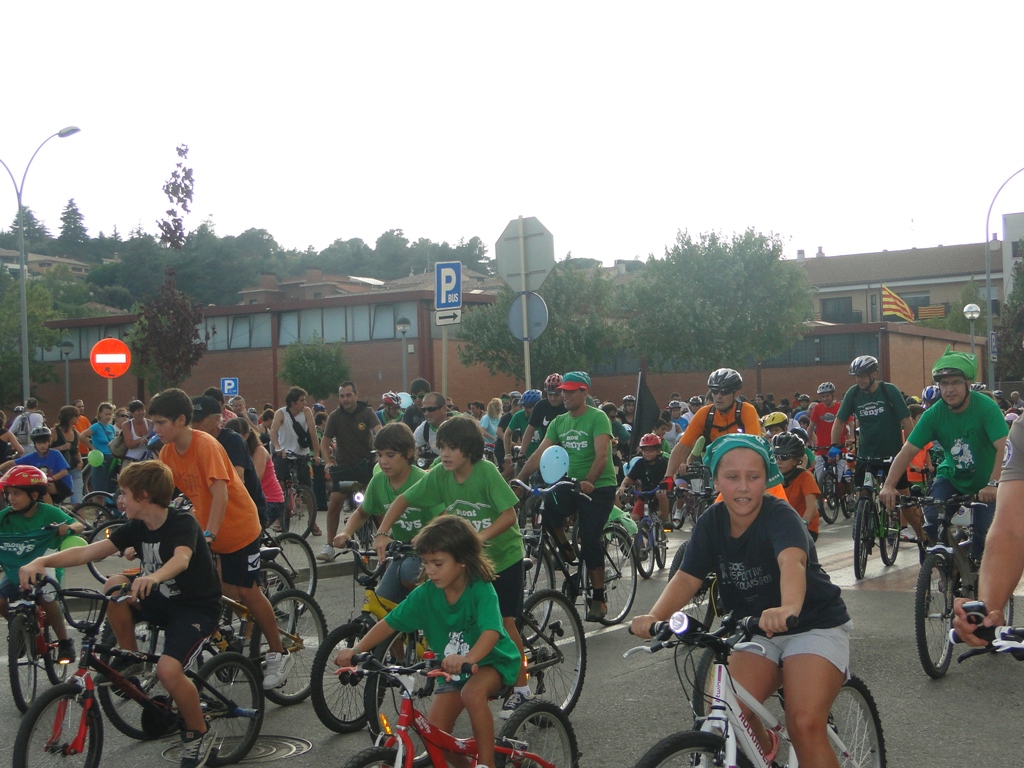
(620, 266)
(800, 254)
(820, 254)
(268, 282)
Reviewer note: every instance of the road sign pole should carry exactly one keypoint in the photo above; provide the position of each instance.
(444, 360)
(522, 298)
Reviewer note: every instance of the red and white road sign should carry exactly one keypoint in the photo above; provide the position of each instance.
(110, 358)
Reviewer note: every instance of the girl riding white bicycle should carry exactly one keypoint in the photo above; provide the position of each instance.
(766, 564)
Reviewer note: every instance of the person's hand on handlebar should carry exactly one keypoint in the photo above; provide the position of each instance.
(966, 630)
(380, 544)
(29, 574)
(641, 626)
(344, 657)
(774, 620)
(888, 496)
(340, 540)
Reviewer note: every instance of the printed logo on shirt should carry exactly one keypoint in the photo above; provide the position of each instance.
(870, 410)
(545, 421)
(1008, 453)
(963, 458)
(253, 562)
(576, 440)
(743, 577)
(361, 426)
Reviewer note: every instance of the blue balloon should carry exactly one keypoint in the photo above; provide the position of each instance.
(554, 463)
(405, 399)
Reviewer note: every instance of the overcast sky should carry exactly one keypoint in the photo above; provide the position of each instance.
(854, 127)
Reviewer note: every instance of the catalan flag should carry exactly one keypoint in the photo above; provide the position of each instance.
(892, 304)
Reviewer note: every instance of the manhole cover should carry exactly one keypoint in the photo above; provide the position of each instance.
(265, 750)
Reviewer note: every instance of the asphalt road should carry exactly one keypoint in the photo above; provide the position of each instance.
(968, 718)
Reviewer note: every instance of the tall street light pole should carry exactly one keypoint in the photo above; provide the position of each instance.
(66, 345)
(63, 133)
(988, 282)
(972, 312)
(402, 325)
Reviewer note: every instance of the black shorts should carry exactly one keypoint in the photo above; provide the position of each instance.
(185, 627)
(509, 586)
(360, 473)
(241, 568)
(858, 474)
(60, 492)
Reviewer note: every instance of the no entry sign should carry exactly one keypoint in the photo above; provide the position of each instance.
(110, 358)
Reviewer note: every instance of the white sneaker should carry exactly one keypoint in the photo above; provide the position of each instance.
(326, 553)
(276, 673)
(907, 534)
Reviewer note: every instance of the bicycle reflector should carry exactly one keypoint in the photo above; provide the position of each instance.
(385, 726)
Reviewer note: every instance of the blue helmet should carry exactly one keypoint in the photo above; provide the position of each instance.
(530, 397)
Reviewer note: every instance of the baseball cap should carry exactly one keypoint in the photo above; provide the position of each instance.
(575, 380)
(204, 406)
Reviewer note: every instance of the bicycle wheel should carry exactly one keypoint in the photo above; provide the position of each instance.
(547, 732)
(933, 613)
(555, 648)
(890, 540)
(23, 661)
(829, 506)
(55, 671)
(374, 757)
(619, 575)
(52, 722)
(660, 546)
(643, 551)
(232, 702)
(382, 698)
(303, 511)
(302, 627)
(688, 748)
(114, 564)
(540, 568)
(93, 514)
(338, 699)
(125, 714)
(854, 719)
(863, 536)
(298, 561)
(273, 578)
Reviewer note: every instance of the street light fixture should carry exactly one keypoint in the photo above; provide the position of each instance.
(988, 279)
(66, 345)
(63, 133)
(972, 312)
(402, 325)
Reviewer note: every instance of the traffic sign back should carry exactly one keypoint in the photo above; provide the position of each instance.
(532, 256)
(110, 358)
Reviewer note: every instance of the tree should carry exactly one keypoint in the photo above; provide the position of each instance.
(179, 189)
(1011, 330)
(580, 333)
(74, 238)
(716, 301)
(165, 341)
(317, 367)
(37, 237)
(955, 320)
(40, 309)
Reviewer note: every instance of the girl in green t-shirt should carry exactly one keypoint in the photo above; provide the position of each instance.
(457, 609)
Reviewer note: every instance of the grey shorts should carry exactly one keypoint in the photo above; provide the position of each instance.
(832, 644)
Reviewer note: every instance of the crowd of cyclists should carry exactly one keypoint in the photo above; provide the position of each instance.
(431, 475)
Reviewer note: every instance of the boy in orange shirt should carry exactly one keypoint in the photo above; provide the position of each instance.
(801, 488)
(225, 511)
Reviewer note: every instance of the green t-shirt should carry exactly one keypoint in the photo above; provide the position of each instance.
(479, 500)
(518, 424)
(454, 629)
(577, 436)
(967, 439)
(379, 496)
(620, 433)
(18, 552)
(878, 415)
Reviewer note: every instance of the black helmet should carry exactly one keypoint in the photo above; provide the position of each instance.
(826, 387)
(786, 445)
(802, 434)
(725, 379)
(39, 433)
(863, 364)
(696, 400)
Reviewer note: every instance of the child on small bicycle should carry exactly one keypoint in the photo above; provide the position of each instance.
(457, 610)
(649, 473)
(767, 564)
(177, 588)
(802, 490)
(396, 452)
(25, 487)
(52, 463)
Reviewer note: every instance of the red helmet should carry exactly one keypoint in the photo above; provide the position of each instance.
(25, 477)
(650, 440)
(390, 398)
(554, 381)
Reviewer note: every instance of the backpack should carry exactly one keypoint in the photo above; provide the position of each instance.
(709, 421)
(301, 434)
(22, 428)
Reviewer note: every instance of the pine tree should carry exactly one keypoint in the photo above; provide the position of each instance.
(73, 241)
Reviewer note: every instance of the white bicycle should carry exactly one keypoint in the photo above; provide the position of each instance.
(723, 739)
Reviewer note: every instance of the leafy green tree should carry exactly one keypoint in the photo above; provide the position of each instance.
(717, 301)
(69, 294)
(179, 189)
(317, 367)
(40, 309)
(955, 320)
(1011, 330)
(165, 340)
(580, 334)
(73, 240)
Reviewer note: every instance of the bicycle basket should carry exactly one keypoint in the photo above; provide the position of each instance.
(18, 549)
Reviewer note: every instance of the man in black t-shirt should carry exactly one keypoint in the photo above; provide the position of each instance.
(545, 410)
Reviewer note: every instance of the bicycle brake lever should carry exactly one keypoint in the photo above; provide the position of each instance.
(638, 649)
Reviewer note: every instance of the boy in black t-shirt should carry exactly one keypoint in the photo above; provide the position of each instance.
(649, 473)
(176, 588)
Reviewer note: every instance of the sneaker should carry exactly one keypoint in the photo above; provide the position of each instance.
(65, 651)
(276, 673)
(907, 534)
(326, 553)
(596, 610)
(195, 748)
(125, 666)
(517, 699)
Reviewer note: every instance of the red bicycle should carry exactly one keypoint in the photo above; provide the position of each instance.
(537, 735)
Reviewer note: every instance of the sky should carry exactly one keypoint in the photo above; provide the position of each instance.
(849, 127)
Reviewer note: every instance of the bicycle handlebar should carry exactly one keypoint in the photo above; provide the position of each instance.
(1005, 639)
(537, 490)
(692, 632)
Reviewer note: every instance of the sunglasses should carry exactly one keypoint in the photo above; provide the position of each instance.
(121, 413)
(432, 408)
(721, 391)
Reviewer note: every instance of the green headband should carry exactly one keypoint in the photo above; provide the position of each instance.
(726, 443)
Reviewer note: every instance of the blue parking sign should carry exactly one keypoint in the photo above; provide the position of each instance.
(229, 387)
(448, 285)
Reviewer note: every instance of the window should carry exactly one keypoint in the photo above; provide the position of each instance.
(334, 324)
(288, 328)
(240, 331)
(259, 330)
(311, 322)
(359, 323)
(839, 310)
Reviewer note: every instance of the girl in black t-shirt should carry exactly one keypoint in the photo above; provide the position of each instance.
(767, 565)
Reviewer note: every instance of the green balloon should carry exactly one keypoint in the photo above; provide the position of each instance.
(95, 458)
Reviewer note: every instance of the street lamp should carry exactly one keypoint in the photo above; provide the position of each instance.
(66, 345)
(972, 312)
(402, 325)
(988, 280)
(63, 133)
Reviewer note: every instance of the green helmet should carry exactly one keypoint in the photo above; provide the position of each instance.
(952, 363)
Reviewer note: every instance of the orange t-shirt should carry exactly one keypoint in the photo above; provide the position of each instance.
(204, 462)
(723, 423)
(920, 460)
(797, 492)
(81, 426)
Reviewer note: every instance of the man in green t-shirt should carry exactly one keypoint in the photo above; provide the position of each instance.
(972, 431)
(586, 434)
